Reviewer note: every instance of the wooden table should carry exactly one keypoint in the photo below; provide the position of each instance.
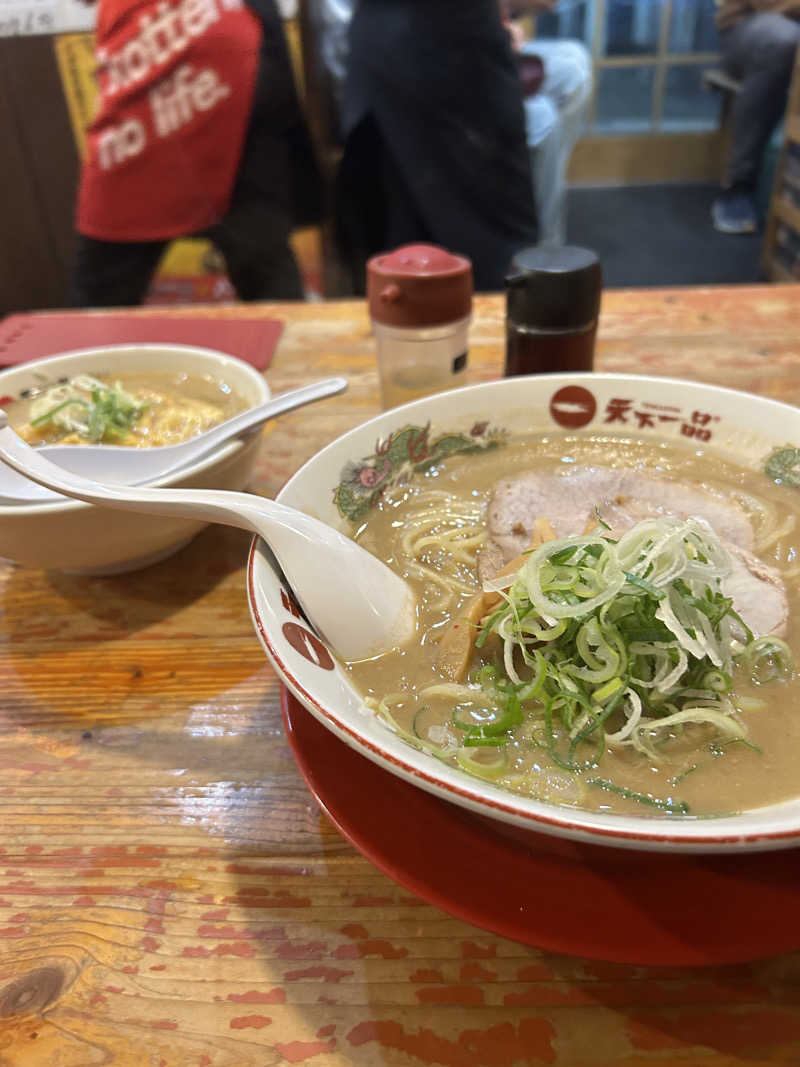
(170, 892)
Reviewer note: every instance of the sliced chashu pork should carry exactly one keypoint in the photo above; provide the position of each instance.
(569, 500)
(758, 592)
(624, 498)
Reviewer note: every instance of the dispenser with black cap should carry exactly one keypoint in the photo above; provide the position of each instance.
(552, 306)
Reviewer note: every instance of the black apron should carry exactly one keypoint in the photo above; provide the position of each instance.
(433, 117)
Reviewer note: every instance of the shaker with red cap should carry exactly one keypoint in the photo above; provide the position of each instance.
(420, 304)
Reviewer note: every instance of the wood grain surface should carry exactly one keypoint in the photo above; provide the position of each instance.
(170, 893)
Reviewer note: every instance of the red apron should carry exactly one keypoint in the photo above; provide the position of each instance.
(176, 88)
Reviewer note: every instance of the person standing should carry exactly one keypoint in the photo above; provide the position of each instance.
(434, 135)
(198, 132)
(758, 42)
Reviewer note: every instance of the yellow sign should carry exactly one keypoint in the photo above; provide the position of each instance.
(76, 64)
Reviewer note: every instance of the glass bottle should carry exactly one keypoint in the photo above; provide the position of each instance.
(552, 306)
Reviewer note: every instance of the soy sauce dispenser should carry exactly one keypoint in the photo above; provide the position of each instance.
(552, 306)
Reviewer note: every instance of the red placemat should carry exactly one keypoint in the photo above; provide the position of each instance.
(25, 337)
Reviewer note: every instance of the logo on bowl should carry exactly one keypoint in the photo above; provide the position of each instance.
(289, 604)
(308, 645)
(573, 407)
(645, 415)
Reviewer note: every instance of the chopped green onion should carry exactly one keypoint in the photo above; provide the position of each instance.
(717, 682)
(674, 807)
(48, 415)
(605, 643)
(88, 407)
(479, 763)
(642, 583)
(769, 659)
(484, 741)
(607, 690)
(600, 520)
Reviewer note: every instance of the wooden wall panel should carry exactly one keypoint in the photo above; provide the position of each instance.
(39, 177)
(677, 157)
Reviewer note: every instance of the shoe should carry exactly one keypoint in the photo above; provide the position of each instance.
(734, 211)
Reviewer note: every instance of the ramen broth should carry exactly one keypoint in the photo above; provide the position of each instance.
(139, 410)
(697, 773)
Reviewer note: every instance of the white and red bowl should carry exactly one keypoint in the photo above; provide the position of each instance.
(69, 535)
(343, 478)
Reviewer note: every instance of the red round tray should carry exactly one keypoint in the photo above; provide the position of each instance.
(585, 900)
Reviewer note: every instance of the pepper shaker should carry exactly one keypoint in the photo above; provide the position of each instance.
(420, 305)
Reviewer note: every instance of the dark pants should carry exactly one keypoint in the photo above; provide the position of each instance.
(118, 273)
(253, 238)
(760, 51)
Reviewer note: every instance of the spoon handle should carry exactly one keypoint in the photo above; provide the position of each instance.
(205, 505)
(254, 417)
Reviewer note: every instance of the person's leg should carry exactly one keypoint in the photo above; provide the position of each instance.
(254, 241)
(555, 118)
(547, 167)
(567, 72)
(253, 236)
(112, 273)
(760, 50)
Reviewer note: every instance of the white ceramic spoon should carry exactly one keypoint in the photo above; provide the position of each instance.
(357, 603)
(123, 465)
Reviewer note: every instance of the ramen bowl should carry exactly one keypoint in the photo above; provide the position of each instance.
(345, 480)
(83, 538)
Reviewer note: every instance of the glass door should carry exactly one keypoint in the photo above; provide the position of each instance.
(648, 58)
